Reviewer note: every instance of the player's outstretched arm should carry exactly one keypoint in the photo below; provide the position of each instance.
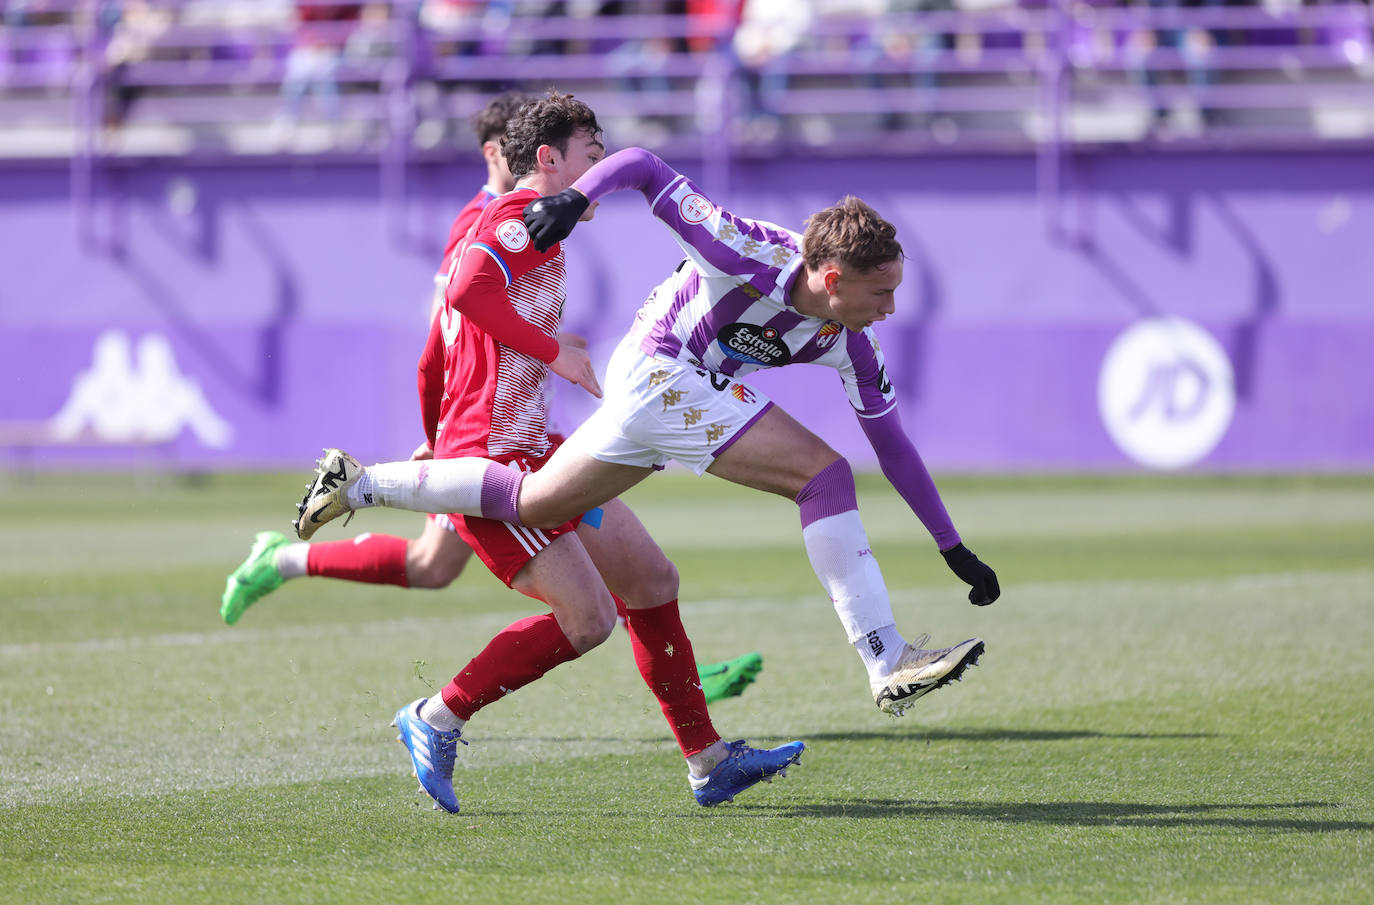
(551, 219)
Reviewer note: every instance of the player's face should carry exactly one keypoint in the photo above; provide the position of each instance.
(584, 150)
(859, 298)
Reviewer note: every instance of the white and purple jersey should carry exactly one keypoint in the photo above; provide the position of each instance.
(726, 309)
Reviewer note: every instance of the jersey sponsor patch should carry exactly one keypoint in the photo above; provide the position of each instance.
(694, 208)
(513, 236)
(755, 345)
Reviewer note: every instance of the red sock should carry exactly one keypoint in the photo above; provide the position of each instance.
(374, 558)
(621, 610)
(664, 657)
(521, 653)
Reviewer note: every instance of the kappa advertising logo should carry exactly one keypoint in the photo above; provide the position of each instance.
(137, 394)
(513, 236)
(754, 345)
(694, 208)
(1166, 392)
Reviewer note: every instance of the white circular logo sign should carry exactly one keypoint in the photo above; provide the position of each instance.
(513, 235)
(1166, 392)
(694, 208)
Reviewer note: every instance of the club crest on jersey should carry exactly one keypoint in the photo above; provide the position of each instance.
(513, 236)
(826, 336)
(742, 393)
(694, 208)
(755, 345)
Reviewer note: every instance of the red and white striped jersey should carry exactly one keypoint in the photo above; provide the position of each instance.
(495, 402)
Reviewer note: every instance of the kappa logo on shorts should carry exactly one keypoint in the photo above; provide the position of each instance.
(754, 345)
(673, 397)
(694, 208)
(715, 432)
(658, 377)
(692, 416)
(513, 236)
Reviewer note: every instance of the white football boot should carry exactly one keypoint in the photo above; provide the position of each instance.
(920, 672)
(324, 501)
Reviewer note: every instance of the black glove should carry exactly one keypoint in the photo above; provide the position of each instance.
(974, 572)
(551, 219)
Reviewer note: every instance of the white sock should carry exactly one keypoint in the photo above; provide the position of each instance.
(434, 485)
(840, 555)
(880, 650)
(435, 712)
(291, 560)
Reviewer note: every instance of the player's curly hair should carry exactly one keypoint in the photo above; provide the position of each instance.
(490, 122)
(850, 233)
(551, 120)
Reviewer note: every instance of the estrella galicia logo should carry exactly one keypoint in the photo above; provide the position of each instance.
(753, 344)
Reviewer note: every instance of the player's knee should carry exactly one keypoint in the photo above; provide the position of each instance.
(663, 581)
(653, 583)
(591, 630)
(433, 575)
(428, 568)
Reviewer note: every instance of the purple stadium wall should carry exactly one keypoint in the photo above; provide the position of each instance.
(245, 316)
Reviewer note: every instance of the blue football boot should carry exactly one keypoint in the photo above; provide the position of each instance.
(431, 752)
(742, 768)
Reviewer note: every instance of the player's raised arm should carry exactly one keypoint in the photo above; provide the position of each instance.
(551, 219)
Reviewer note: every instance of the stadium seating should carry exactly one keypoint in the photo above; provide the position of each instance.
(252, 77)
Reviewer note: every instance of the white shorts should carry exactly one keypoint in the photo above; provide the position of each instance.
(655, 410)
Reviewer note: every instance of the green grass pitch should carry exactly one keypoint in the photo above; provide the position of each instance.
(1176, 705)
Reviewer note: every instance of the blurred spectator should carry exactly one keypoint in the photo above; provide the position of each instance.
(134, 29)
(1153, 55)
(769, 30)
(312, 65)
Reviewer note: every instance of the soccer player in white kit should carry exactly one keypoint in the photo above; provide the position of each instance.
(749, 295)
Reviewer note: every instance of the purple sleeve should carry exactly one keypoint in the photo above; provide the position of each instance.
(902, 466)
(632, 168)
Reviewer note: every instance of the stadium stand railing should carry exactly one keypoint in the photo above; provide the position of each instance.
(121, 78)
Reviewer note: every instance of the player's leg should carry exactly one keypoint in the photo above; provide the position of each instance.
(635, 568)
(651, 580)
(583, 616)
(778, 455)
(433, 560)
(438, 556)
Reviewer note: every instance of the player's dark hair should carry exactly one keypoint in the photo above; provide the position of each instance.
(490, 122)
(851, 234)
(550, 120)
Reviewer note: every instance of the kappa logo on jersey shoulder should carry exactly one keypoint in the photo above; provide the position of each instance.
(694, 208)
(512, 235)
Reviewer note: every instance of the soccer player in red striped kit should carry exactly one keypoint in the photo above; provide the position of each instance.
(490, 401)
(438, 556)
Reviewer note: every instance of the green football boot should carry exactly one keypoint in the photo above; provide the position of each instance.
(730, 678)
(256, 577)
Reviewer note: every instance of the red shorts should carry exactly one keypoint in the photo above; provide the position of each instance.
(504, 547)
